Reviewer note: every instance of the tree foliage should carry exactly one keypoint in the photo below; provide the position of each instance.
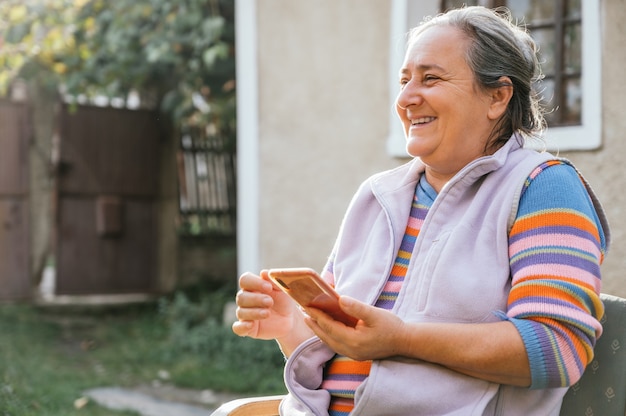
(178, 54)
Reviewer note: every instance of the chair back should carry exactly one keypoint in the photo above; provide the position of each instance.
(602, 389)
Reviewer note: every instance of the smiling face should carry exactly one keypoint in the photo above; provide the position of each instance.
(447, 118)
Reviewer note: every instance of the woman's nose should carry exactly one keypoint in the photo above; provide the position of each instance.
(408, 95)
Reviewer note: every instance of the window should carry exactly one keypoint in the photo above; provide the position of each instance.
(556, 27)
(568, 35)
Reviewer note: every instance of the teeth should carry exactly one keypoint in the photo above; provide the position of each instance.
(422, 120)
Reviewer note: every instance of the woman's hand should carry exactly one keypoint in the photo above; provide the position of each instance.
(489, 351)
(263, 311)
(378, 334)
(266, 312)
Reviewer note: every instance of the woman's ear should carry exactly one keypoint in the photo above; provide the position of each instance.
(500, 97)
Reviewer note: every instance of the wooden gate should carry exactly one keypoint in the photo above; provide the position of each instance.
(15, 278)
(107, 189)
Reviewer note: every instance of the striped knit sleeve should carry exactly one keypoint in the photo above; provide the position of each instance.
(556, 246)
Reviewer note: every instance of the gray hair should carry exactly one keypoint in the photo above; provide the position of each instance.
(498, 47)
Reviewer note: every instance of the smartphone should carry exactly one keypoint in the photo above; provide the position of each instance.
(308, 289)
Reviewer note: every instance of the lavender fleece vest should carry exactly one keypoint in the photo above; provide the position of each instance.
(459, 272)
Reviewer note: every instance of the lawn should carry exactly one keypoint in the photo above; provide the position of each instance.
(49, 357)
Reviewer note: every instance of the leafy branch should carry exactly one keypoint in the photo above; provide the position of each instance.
(177, 55)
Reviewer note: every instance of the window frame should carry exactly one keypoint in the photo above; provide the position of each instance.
(586, 136)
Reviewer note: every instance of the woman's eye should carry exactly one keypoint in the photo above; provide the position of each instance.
(403, 82)
(430, 78)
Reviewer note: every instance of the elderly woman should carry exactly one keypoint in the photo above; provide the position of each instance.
(474, 269)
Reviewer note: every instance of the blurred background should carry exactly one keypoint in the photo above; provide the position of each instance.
(152, 150)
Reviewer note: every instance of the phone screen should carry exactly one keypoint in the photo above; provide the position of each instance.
(307, 288)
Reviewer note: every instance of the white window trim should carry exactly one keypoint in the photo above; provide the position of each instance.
(247, 136)
(588, 135)
(408, 13)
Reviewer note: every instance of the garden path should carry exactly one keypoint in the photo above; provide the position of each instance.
(161, 400)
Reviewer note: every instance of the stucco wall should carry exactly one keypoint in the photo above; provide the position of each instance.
(323, 121)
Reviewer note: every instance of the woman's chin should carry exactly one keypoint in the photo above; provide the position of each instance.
(415, 148)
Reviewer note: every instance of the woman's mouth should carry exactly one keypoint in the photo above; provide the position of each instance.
(421, 120)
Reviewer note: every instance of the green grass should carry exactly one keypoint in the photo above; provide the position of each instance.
(49, 358)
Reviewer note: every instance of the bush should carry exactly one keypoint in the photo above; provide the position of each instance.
(232, 363)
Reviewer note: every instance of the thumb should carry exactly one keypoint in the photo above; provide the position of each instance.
(355, 307)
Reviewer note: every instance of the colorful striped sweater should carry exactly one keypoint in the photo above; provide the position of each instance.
(343, 375)
(556, 246)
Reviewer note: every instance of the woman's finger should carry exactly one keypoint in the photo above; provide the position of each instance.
(242, 328)
(254, 283)
(252, 314)
(246, 299)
